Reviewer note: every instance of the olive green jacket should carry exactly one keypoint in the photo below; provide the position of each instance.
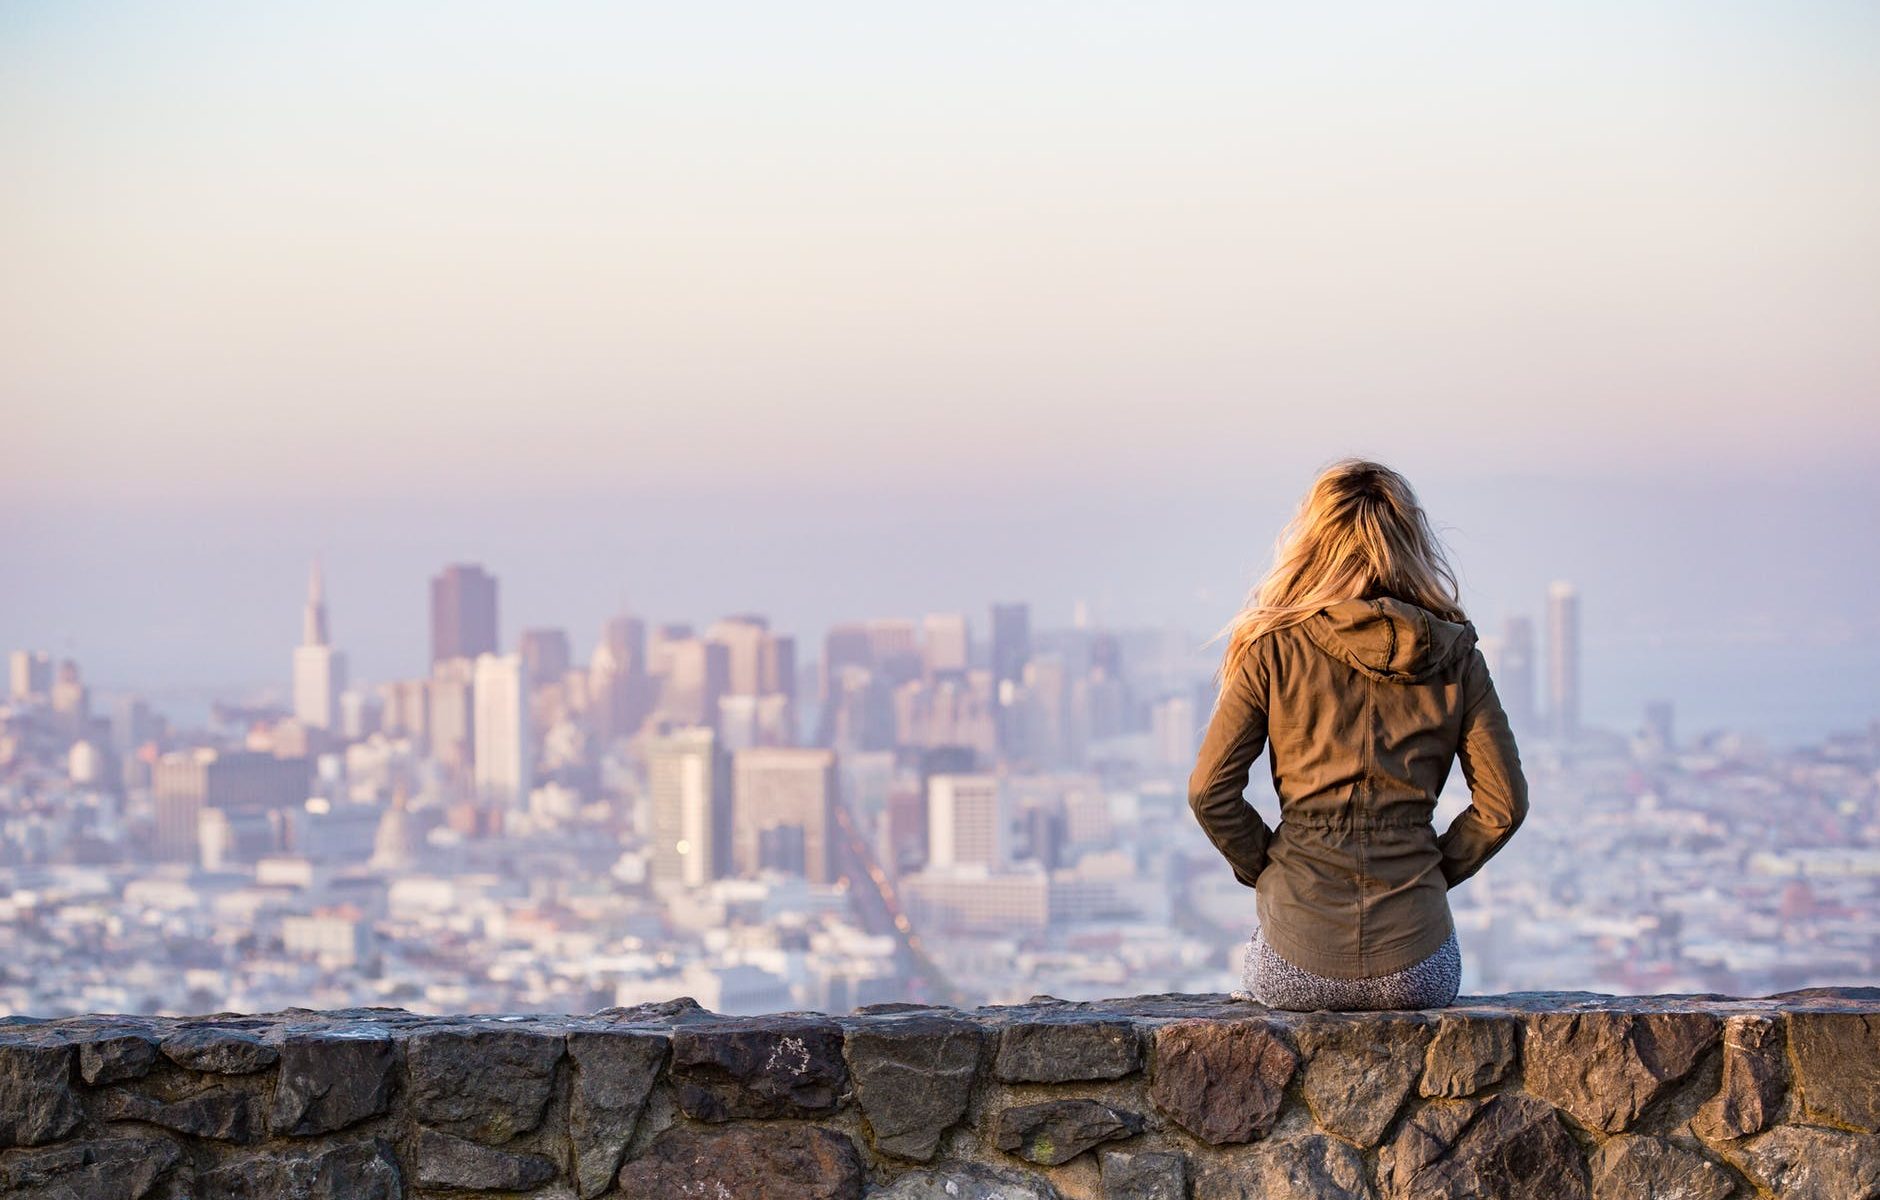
(1365, 705)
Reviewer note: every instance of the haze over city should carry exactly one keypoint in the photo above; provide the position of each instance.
(756, 359)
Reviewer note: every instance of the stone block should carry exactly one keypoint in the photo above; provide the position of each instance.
(913, 1078)
(441, 1160)
(1629, 1166)
(1753, 1073)
(1469, 1052)
(769, 1067)
(1144, 1175)
(1358, 1071)
(359, 1171)
(1605, 1068)
(1066, 1049)
(219, 1051)
(1510, 1146)
(1837, 1067)
(36, 1102)
(614, 1072)
(1222, 1081)
(112, 1168)
(1056, 1131)
(1313, 1167)
(331, 1080)
(749, 1162)
(483, 1082)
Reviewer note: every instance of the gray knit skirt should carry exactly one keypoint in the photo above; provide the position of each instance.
(1271, 980)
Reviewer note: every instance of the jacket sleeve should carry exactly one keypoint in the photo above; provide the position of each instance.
(1492, 767)
(1236, 734)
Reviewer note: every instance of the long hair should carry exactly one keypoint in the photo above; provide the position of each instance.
(1360, 533)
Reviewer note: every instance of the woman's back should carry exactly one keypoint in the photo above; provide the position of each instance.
(1366, 704)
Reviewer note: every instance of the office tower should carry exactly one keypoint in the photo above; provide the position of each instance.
(1044, 707)
(1011, 641)
(845, 646)
(965, 821)
(659, 646)
(625, 639)
(689, 786)
(695, 679)
(405, 709)
(319, 669)
(894, 649)
(946, 644)
(1175, 732)
(1658, 724)
(774, 792)
(451, 709)
(251, 789)
(502, 765)
(743, 638)
(463, 613)
(546, 655)
(1514, 673)
(31, 674)
(620, 692)
(776, 667)
(1563, 659)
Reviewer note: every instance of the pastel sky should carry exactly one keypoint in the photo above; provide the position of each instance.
(392, 282)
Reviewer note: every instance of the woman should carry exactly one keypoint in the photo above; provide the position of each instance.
(1354, 662)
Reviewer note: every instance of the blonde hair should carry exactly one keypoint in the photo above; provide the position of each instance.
(1359, 533)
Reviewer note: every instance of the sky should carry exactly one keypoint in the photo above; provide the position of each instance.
(832, 310)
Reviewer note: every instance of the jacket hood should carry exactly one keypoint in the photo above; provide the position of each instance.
(1389, 639)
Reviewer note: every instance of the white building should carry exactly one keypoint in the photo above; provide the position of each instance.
(319, 669)
(503, 766)
(965, 821)
(690, 788)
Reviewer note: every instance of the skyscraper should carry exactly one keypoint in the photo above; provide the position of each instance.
(945, 643)
(1011, 641)
(545, 655)
(1563, 659)
(689, 787)
(319, 670)
(783, 812)
(965, 821)
(1514, 674)
(31, 674)
(463, 613)
(502, 766)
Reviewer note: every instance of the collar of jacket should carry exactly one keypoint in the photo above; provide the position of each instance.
(1389, 639)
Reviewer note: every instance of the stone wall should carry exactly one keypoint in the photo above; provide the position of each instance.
(1545, 1095)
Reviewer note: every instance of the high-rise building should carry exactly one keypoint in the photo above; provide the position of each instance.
(1514, 674)
(502, 765)
(743, 638)
(775, 791)
(946, 643)
(319, 669)
(1011, 641)
(250, 788)
(31, 674)
(620, 692)
(1563, 659)
(689, 785)
(844, 646)
(451, 711)
(546, 655)
(894, 649)
(697, 671)
(965, 821)
(1659, 729)
(463, 613)
(1175, 731)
